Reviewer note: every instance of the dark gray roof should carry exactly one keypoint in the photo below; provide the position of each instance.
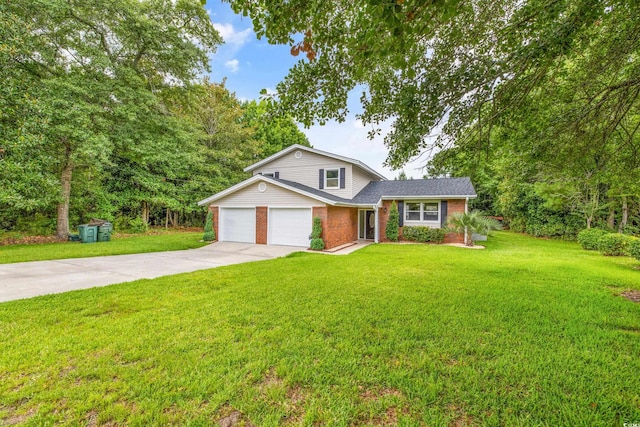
(455, 187)
(312, 190)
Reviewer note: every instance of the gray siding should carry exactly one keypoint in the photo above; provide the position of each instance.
(272, 196)
(305, 171)
(360, 180)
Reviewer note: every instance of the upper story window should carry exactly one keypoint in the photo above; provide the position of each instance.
(422, 211)
(332, 178)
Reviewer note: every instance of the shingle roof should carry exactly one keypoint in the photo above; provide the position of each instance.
(312, 190)
(456, 187)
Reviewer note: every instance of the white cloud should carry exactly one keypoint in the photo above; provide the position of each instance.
(231, 36)
(233, 65)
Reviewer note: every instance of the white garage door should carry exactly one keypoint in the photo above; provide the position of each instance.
(289, 226)
(237, 225)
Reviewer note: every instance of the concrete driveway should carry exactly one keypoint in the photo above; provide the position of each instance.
(30, 279)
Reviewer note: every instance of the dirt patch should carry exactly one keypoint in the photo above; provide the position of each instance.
(377, 394)
(460, 418)
(234, 418)
(29, 240)
(15, 419)
(270, 380)
(91, 419)
(632, 295)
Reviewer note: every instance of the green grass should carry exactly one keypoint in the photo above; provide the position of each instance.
(117, 246)
(527, 332)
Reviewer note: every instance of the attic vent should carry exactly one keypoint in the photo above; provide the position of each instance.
(298, 154)
(262, 187)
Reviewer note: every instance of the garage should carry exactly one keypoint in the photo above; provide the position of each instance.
(237, 225)
(289, 226)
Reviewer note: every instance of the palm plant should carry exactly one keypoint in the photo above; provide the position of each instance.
(471, 222)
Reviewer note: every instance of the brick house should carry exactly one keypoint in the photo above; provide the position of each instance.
(276, 205)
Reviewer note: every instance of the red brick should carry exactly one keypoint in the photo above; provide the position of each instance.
(214, 210)
(262, 216)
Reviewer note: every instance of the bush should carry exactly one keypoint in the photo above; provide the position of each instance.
(589, 238)
(634, 248)
(393, 223)
(423, 234)
(137, 225)
(317, 244)
(209, 232)
(614, 244)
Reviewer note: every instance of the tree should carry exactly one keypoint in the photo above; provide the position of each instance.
(468, 223)
(393, 223)
(92, 66)
(443, 67)
(209, 232)
(274, 132)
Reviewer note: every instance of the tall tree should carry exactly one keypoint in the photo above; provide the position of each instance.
(88, 64)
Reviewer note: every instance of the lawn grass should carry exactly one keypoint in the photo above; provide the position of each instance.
(527, 332)
(117, 246)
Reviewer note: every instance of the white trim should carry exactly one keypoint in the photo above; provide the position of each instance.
(315, 151)
(431, 197)
(431, 223)
(256, 178)
(326, 185)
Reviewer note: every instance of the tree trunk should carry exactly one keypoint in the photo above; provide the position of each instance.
(166, 220)
(625, 215)
(62, 228)
(145, 212)
(611, 220)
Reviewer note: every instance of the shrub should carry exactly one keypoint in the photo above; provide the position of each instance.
(589, 238)
(393, 223)
(634, 248)
(317, 244)
(472, 222)
(137, 225)
(614, 244)
(423, 234)
(209, 232)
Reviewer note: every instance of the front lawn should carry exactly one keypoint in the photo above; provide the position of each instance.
(135, 244)
(527, 332)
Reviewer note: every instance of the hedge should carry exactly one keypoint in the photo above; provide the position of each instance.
(423, 234)
(589, 238)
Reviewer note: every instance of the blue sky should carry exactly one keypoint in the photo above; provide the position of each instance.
(250, 65)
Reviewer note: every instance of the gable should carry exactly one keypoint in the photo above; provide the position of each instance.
(251, 195)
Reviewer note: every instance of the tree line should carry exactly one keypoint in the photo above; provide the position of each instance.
(104, 113)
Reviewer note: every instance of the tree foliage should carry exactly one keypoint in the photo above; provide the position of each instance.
(393, 223)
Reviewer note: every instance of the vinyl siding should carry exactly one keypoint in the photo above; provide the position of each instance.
(305, 171)
(360, 180)
(273, 196)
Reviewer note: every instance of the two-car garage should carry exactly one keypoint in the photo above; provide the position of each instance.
(285, 225)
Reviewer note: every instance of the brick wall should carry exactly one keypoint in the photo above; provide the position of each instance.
(261, 224)
(452, 207)
(339, 225)
(216, 218)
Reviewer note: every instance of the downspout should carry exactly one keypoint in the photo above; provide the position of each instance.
(466, 211)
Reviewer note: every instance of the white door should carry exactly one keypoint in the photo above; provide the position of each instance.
(237, 225)
(289, 226)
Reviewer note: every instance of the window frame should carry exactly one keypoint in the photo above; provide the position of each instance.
(326, 179)
(422, 211)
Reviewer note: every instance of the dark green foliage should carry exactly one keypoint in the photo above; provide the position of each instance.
(137, 225)
(209, 232)
(590, 237)
(614, 244)
(317, 244)
(634, 248)
(423, 234)
(392, 230)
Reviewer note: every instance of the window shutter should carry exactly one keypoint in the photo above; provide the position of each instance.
(321, 182)
(401, 214)
(443, 213)
(276, 175)
(342, 177)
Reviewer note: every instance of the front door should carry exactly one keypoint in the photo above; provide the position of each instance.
(367, 224)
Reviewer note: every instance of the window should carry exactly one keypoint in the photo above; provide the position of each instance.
(422, 211)
(430, 211)
(413, 212)
(332, 178)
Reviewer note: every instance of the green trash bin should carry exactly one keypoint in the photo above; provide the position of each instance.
(88, 233)
(104, 232)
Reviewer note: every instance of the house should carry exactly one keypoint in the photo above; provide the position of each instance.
(277, 204)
